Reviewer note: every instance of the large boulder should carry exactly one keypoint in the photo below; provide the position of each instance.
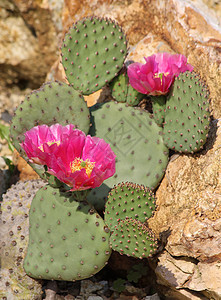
(189, 212)
(29, 32)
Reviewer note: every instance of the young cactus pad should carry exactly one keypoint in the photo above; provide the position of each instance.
(68, 240)
(93, 52)
(128, 200)
(122, 91)
(159, 108)
(133, 238)
(136, 140)
(187, 114)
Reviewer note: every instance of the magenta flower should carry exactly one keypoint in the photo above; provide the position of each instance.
(157, 74)
(80, 161)
(41, 141)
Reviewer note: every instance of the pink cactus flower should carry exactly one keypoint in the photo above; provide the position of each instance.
(157, 74)
(82, 162)
(41, 141)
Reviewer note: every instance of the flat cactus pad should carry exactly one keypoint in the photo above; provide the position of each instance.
(93, 52)
(68, 240)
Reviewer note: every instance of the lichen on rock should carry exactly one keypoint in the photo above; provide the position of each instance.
(15, 284)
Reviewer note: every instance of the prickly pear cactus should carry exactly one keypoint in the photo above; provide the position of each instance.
(133, 238)
(187, 114)
(122, 91)
(128, 200)
(136, 140)
(93, 52)
(68, 240)
(14, 222)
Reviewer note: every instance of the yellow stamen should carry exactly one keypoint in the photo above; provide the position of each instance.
(49, 143)
(79, 164)
(160, 75)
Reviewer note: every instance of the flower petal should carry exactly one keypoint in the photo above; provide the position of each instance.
(157, 74)
(98, 160)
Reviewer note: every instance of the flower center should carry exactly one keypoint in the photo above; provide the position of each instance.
(49, 143)
(160, 75)
(79, 164)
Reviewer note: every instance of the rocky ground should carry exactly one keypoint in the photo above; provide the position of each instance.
(189, 196)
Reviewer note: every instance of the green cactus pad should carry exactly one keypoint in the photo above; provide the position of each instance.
(133, 96)
(136, 140)
(133, 238)
(54, 102)
(159, 108)
(128, 200)
(187, 114)
(119, 87)
(93, 52)
(122, 91)
(98, 197)
(68, 240)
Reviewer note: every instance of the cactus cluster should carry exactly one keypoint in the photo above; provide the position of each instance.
(127, 210)
(68, 239)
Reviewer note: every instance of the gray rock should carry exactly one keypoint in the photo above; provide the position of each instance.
(94, 298)
(152, 297)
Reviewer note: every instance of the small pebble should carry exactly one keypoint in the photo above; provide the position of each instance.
(94, 298)
(152, 297)
(2, 162)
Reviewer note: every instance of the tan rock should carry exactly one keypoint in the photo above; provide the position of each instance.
(185, 276)
(214, 5)
(207, 277)
(189, 205)
(28, 38)
(26, 171)
(149, 45)
(173, 272)
(57, 72)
